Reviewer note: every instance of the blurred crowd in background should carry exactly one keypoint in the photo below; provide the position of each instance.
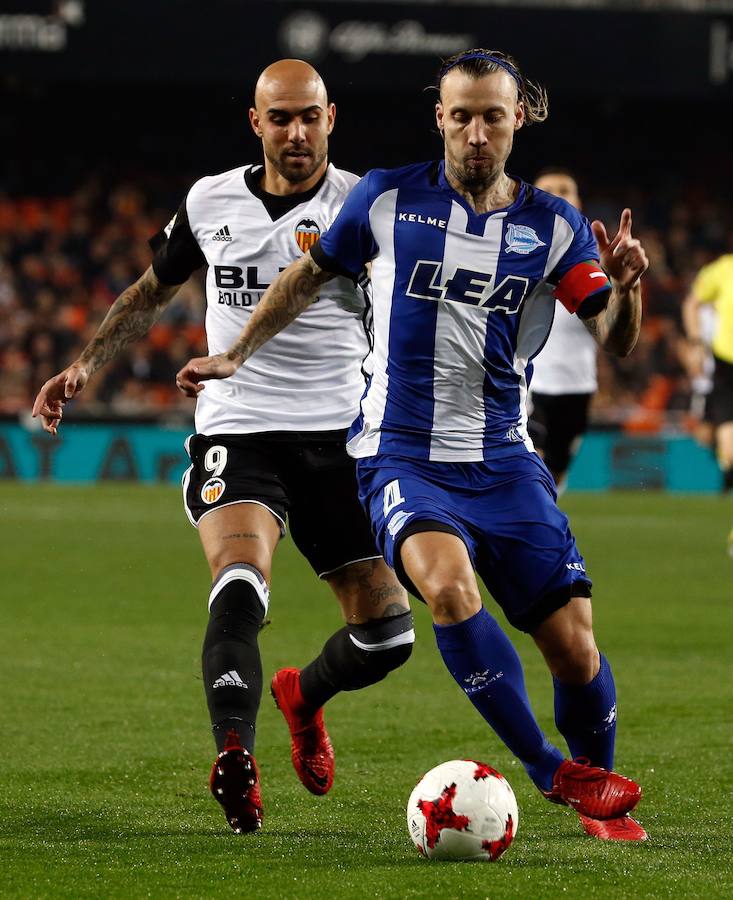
(63, 262)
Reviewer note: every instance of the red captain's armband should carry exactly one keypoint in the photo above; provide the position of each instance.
(579, 283)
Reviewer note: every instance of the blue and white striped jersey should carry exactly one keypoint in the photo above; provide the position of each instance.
(460, 308)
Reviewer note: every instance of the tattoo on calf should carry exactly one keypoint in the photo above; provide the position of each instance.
(389, 612)
(394, 609)
(383, 592)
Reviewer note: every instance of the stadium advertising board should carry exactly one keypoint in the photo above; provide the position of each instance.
(92, 453)
(88, 453)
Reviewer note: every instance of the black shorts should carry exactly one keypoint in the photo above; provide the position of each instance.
(304, 478)
(720, 400)
(556, 422)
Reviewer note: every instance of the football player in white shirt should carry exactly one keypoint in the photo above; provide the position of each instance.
(269, 443)
(565, 370)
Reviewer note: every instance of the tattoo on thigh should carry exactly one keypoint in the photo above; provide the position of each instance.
(241, 534)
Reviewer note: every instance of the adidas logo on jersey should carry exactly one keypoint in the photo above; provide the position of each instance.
(229, 679)
(222, 234)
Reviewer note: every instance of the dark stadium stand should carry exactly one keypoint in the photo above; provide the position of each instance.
(100, 163)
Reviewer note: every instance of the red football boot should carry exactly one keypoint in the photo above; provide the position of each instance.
(310, 745)
(235, 784)
(623, 828)
(592, 791)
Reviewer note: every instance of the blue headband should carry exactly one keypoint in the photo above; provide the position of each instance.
(489, 58)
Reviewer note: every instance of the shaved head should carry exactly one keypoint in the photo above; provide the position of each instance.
(293, 119)
(289, 78)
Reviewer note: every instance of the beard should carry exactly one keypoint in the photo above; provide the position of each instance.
(475, 179)
(296, 170)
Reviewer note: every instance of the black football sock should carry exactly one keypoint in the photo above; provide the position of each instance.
(230, 659)
(357, 656)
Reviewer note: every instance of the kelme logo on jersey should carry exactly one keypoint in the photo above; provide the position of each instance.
(307, 233)
(212, 490)
(521, 239)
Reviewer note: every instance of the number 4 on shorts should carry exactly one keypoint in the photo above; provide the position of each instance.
(392, 496)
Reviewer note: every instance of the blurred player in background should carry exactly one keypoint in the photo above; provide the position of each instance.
(270, 442)
(565, 370)
(714, 284)
(460, 256)
(701, 385)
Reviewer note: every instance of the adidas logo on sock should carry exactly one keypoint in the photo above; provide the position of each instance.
(223, 234)
(229, 679)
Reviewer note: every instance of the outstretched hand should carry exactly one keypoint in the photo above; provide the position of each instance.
(622, 256)
(49, 403)
(204, 368)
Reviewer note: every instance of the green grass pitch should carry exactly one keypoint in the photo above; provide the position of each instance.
(106, 748)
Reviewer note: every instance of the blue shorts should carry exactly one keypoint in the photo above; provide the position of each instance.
(519, 542)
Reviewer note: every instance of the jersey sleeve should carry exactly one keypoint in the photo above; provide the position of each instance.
(581, 285)
(707, 284)
(348, 244)
(177, 252)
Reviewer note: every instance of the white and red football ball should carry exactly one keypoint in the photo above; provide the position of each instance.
(462, 810)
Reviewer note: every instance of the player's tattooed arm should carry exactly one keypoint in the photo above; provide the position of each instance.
(286, 298)
(129, 318)
(290, 294)
(617, 327)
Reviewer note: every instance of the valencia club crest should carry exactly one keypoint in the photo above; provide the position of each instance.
(307, 233)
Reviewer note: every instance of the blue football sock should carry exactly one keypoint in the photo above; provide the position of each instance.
(485, 664)
(585, 716)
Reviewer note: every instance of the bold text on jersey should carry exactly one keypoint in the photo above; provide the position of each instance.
(234, 277)
(230, 278)
(427, 282)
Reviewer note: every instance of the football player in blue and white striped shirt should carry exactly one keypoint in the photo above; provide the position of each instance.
(461, 253)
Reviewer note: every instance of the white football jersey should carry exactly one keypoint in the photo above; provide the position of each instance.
(308, 377)
(567, 363)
